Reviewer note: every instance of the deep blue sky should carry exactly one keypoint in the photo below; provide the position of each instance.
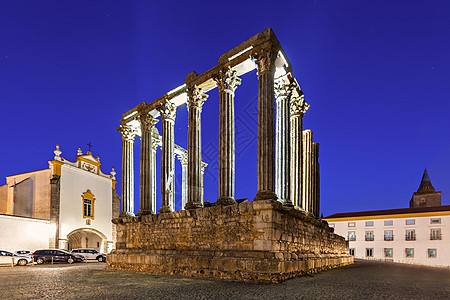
(376, 74)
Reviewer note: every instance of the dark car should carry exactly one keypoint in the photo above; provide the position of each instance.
(54, 255)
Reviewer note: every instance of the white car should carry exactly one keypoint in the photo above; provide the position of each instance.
(90, 254)
(26, 253)
(7, 257)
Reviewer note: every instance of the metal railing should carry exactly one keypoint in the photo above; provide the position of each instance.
(351, 238)
(369, 238)
(435, 236)
(410, 237)
(388, 238)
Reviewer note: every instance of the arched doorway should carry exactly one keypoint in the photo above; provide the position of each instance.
(87, 238)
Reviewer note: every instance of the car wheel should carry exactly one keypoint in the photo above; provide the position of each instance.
(70, 260)
(100, 258)
(40, 261)
(22, 262)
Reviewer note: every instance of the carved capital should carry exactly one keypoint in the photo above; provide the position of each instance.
(147, 122)
(196, 97)
(284, 90)
(128, 132)
(265, 60)
(298, 106)
(167, 110)
(183, 158)
(227, 80)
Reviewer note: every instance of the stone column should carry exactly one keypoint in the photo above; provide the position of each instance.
(316, 182)
(195, 101)
(128, 133)
(307, 201)
(298, 107)
(283, 94)
(167, 110)
(265, 61)
(227, 82)
(146, 187)
(203, 181)
(153, 170)
(184, 182)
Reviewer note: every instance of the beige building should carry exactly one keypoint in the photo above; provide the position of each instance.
(69, 205)
(419, 234)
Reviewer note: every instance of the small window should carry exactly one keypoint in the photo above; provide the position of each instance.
(369, 223)
(410, 222)
(431, 253)
(435, 221)
(387, 252)
(369, 252)
(351, 236)
(369, 235)
(351, 224)
(410, 235)
(388, 223)
(410, 252)
(388, 235)
(87, 208)
(352, 251)
(435, 234)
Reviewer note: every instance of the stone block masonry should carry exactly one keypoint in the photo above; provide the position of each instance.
(251, 241)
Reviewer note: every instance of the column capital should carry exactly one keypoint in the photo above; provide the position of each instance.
(183, 158)
(128, 132)
(196, 97)
(298, 106)
(227, 80)
(147, 122)
(167, 110)
(283, 89)
(265, 60)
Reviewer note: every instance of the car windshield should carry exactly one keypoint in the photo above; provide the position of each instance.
(65, 251)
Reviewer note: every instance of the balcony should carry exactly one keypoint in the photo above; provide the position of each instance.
(369, 238)
(434, 237)
(410, 237)
(389, 238)
(351, 238)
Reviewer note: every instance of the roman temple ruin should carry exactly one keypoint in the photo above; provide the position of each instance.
(279, 234)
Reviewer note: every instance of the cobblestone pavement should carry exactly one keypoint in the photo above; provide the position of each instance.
(363, 280)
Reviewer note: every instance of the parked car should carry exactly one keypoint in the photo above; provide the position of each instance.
(26, 253)
(7, 257)
(55, 255)
(90, 254)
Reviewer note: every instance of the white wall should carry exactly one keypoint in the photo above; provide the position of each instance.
(421, 245)
(75, 182)
(17, 233)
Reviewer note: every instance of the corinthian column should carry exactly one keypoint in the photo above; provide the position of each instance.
(195, 101)
(298, 107)
(316, 181)
(227, 82)
(265, 61)
(155, 146)
(283, 94)
(167, 110)
(128, 133)
(146, 187)
(204, 165)
(307, 201)
(184, 182)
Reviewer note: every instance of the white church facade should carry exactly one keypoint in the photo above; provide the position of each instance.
(69, 205)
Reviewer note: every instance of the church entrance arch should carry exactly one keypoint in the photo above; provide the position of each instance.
(87, 238)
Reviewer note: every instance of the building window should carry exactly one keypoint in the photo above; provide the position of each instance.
(410, 235)
(388, 235)
(351, 224)
(409, 252)
(369, 223)
(369, 252)
(88, 204)
(387, 252)
(431, 253)
(388, 223)
(369, 235)
(435, 234)
(410, 222)
(435, 221)
(352, 251)
(351, 236)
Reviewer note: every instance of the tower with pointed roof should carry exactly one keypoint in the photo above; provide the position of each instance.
(425, 196)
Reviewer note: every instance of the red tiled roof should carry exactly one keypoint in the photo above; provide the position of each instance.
(396, 211)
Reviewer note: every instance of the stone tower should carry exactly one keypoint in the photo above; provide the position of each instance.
(425, 196)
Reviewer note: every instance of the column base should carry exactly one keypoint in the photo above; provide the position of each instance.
(143, 212)
(225, 201)
(265, 195)
(165, 209)
(190, 205)
(126, 214)
(287, 205)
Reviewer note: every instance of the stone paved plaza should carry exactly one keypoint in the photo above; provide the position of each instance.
(363, 280)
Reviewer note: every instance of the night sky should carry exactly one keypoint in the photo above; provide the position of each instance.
(376, 75)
